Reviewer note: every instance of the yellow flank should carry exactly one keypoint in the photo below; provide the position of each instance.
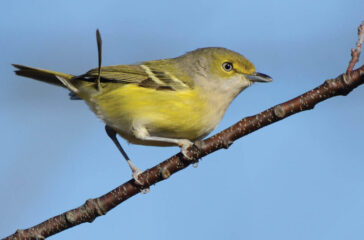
(170, 114)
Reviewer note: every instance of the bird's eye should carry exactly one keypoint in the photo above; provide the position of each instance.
(227, 66)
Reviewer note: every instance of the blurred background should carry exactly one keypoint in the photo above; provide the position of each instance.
(300, 178)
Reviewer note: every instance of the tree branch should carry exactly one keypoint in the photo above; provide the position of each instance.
(342, 85)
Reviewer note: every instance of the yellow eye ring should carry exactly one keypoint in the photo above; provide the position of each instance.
(227, 66)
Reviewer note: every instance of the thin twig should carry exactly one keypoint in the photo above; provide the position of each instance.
(355, 53)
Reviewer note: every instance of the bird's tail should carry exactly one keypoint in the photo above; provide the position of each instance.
(43, 75)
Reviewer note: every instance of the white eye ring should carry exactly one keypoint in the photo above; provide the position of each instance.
(227, 66)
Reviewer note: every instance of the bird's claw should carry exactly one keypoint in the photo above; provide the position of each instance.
(136, 174)
(185, 144)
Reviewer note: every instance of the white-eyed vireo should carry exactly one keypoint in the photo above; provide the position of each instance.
(165, 102)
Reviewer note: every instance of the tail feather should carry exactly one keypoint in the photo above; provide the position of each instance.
(42, 75)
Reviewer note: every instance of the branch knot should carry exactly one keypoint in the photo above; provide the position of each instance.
(279, 111)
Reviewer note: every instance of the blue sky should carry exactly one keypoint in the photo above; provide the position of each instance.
(301, 178)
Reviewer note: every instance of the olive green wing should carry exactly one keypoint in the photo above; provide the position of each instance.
(119, 73)
(145, 75)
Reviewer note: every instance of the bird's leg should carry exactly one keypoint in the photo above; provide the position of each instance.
(142, 134)
(135, 170)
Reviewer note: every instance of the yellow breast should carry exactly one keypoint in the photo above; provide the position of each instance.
(184, 114)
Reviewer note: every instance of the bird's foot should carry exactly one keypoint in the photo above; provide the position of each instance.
(136, 176)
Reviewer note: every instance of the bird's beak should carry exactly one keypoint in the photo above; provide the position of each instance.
(258, 77)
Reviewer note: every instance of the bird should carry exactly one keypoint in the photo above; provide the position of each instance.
(168, 102)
